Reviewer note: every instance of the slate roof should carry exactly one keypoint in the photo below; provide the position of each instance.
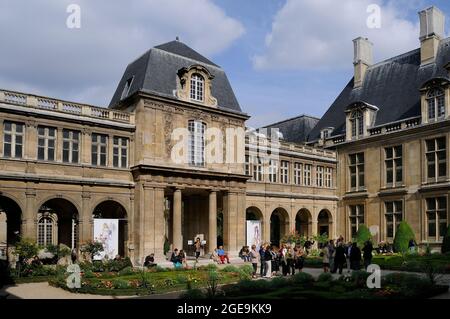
(156, 70)
(295, 129)
(392, 86)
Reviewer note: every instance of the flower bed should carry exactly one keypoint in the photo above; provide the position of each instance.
(143, 282)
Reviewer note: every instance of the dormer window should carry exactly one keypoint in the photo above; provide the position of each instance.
(126, 88)
(357, 123)
(326, 133)
(435, 104)
(197, 84)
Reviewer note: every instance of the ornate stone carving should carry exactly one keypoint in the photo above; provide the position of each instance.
(168, 128)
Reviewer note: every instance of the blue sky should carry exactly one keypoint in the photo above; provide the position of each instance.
(283, 57)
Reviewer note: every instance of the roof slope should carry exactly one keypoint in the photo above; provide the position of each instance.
(392, 86)
(156, 70)
(295, 129)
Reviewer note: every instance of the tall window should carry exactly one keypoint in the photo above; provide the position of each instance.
(257, 169)
(356, 218)
(273, 171)
(436, 217)
(319, 176)
(120, 152)
(13, 139)
(328, 177)
(46, 143)
(307, 175)
(196, 151)
(357, 123)
(297, 173)
(393, 164)
(71, 146)
(126, 88)
(45, 231)
(356, 169)
(284, 170)
(393, 215)
(197, 82)
(98, 149)
(436, 104)
(247, 165)
(436, 158)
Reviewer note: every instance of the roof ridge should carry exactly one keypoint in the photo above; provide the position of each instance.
(206, 60)
(292, 118)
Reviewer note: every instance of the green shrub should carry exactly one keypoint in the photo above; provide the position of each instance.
(119, 283)
(445, 248)
(278, 282)
(181, 279)
(402, 237)
(247, 269)
(243, 275)
(253, 286)
(26, 249)
(302, 278)
(325, 276)
(161, 269)
(230, 269)
(363, 235)
(211, 267)
(88, 274)
(126, 271)
(359, 278)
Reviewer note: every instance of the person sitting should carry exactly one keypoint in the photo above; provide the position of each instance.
(182, 258)
(222, 255)
(215, 256)
(150, 261)
(244, 253)
(175, 259)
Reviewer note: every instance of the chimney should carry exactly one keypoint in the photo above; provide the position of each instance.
(362, 59)
(432, 22)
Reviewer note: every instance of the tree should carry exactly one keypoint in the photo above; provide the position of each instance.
(26, 249)
(92, 248)
(445, 248)
(363, 235)
(402, 237)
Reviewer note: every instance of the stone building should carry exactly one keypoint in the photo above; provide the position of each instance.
(390, 129)
(64, 165)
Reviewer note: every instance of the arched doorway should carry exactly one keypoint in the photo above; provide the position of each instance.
(103, 214)
(324, 223)
(303, 222)
(254, 226)
(279, 225)
(57, 223)
(10, 224)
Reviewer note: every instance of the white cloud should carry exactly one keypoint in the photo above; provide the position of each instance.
(318, 34)
(39, 53)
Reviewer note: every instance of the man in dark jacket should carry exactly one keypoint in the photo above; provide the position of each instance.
(339, 257)
(262, 253)
(355, 257)
(367, 253)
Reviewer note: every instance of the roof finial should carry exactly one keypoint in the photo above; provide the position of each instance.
(177, 38)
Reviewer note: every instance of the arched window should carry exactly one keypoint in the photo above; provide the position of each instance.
(45, 231)
(356, 120)
(196, 151)
(436, 104)
(197, 84)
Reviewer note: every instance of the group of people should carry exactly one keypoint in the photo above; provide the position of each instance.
(335, 256)
(270, 259)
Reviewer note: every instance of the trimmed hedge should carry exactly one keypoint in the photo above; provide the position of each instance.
(363, 235)
(445, 248)
(402, 237)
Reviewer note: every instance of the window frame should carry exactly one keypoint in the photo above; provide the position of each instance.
(120, 148)
(13, 133)
(357, 124)
(359, 171)
(284, 172)
(197, 87)
(97, 146)
(395, 168)
(437, 237)
(359, 210)
(395, 213)
(196, 143)
(435, 99)
(298, 173)
(71, 143)
(436, 162)
(47, 139)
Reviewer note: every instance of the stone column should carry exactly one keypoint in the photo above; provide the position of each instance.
(230, 204)
(29, 222)
(212, 226)
(177, 236)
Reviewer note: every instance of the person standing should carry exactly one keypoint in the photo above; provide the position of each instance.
(262, 254)
(367, 253)
(355, 257)
(268, 262)
(197, 247)
(254, 256)
(348, 250)
(300, 259)
(331, 251)
(339, 257)
(325, 254)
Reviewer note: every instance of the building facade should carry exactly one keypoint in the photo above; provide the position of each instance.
(166, 159)
(390, 129)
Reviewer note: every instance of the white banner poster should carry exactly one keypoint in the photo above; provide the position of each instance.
(106, 231)
(254, 233)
